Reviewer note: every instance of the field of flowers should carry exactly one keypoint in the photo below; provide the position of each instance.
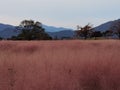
(60, 65)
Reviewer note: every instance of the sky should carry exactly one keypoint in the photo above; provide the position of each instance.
(60, 13)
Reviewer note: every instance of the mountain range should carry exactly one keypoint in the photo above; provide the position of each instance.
(6, 31)
(106, 26)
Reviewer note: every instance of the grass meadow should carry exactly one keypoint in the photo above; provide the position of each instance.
(60, 65)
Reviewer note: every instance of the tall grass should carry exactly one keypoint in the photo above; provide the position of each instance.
(60, 65)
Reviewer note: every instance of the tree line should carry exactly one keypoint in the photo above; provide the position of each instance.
(31, 30)
(88, 32)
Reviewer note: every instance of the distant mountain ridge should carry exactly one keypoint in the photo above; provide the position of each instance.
(62, 34)
(7, 31)
(106, 26)
(5, 26)
(54, 29)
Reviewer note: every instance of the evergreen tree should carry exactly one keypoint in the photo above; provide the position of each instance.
(116, 28)
(1, 38)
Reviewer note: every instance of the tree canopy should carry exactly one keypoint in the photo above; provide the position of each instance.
(84, 31)
(31, 30)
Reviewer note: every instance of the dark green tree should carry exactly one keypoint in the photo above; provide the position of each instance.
(31, 30)
(96, 34)
(1, 38)
(108, 33)
(116, 28)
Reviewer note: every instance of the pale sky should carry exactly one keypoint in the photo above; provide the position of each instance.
(61, 13)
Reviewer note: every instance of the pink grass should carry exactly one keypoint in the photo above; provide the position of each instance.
(60, 65)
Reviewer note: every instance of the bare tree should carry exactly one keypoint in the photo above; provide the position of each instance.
(84, 31)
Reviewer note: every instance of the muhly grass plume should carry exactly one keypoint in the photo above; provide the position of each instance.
(60, 65)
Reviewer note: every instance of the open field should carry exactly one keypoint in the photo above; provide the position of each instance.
(60, 65)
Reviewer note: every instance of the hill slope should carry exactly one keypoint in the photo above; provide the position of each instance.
(106, 26)
(62, 34)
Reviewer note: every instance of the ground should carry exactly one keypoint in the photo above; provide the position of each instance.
(60, 65)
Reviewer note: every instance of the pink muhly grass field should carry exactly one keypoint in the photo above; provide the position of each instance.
(60, 65)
